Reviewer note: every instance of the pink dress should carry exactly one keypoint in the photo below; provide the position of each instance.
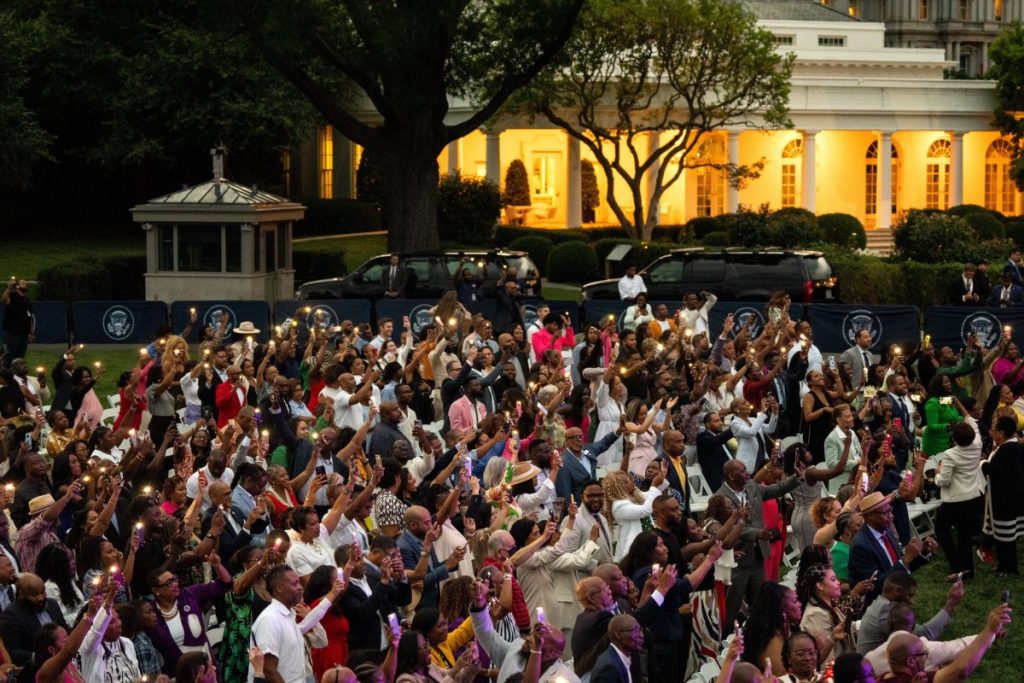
(643, 453)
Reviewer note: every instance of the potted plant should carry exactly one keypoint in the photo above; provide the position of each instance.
(516, 197)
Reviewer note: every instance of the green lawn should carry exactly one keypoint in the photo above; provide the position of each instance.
(26, 259)
(981, 595)
(358, 249)
(116, 358)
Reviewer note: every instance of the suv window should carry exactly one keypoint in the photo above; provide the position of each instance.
(766, 267)
(451, 266)
(669, 270)
(373, 271)
(817, 268)
(419, 267)
(705, 269)
(524, 267)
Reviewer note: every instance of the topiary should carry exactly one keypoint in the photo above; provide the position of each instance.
(700, 226)
(370, 180)
(718, 238)
(792, 227)
(517, 185)
(572, 262)
(932, 237)
(539, 248)
(842, 229)
(467, 209)
(986, 225)
(589, 194)
(1015, 232)
(965, 209)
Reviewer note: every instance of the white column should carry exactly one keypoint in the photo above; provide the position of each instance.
(574, 195)
(651, 177)
(453, 156)
(493, 148)
(809, 171)
(956, 170)
(883, 211)
(732, 196)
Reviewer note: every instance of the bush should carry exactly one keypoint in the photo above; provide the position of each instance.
(700, 226)
(537, 247)
(517, 185)
(574, 262)
(337, 216)
(933, 237)
(1015, 232)
(745, 228)
(987, 226)
(316, 262)
(370, 179)
(718, 238)
(505, 234)
(993, 251)
(467, 209)
(842, 229)
(965, 210)
(94, 279)
(872, 280)
(793, 227)
(590, 196)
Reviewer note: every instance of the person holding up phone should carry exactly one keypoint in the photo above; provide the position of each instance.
(941, 409)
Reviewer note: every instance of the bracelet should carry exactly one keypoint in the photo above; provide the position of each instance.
(534, 652)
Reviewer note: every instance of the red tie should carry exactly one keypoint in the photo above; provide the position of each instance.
(889, 549)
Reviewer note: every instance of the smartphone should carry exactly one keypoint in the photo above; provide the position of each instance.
(417, 424)
(321, 471)
(946, 400)
(393, 623)
(28, 440)
(1006, 597)
(897, 422)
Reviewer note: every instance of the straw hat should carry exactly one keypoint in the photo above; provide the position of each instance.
(871, 501)
(246, 327)
(523, 472)
(39, 504)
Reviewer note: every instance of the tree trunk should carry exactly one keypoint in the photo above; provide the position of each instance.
(410, 196)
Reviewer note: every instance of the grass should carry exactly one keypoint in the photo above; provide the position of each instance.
(981, 594)
(26, 259)
(116, 358)
(561, 292)
(358, 249)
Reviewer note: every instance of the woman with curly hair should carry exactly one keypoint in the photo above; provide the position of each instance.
(773, 617)
(172, 494)
(630, 510)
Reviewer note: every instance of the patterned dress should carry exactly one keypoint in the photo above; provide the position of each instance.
(233, 656)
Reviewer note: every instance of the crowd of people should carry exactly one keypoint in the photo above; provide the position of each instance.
(502, 501)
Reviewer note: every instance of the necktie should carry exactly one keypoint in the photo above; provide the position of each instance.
(867, 359)
(890, 549)
(1006, 295)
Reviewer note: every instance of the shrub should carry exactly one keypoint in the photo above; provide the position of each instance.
(932, 238)
(370, 179)
(517, 185)
(965, 210)
(700, 226)
(537, 247)
(573, 262)
(993, 251)
(505, 234)
(589, 194)
(467, 209)
(315, 262)
(1015, 232)
(717, 238)
(987, 226)
(866, 279)
(98, 279)
(337, 216)
(927, 284)
(842, 229)
(745, 228)
(792, 227)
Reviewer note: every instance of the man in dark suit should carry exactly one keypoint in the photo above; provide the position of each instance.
(875, 551)
(981, 284)
(1007, 294)
(1012, 268)
(61, 376)
(674, 446)
(748, 576)
(617, 663)
(393, 279)
(579, 463)
(712, 453)
(368, 608)
(30, 610)
(963, 291)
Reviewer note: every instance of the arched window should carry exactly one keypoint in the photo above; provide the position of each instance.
(871, 180)
(791, 157)
(936, 179)
(711, 180)
(1000, 192)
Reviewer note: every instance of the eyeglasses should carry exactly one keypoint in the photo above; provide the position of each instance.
(168, 582)
(577, 436)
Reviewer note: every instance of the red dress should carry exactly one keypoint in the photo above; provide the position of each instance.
(279, 515)
(771, 512)
(336, 652)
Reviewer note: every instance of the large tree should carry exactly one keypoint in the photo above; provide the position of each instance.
(383, 74)
(1007, 55)
(642, 83)
(23, 142)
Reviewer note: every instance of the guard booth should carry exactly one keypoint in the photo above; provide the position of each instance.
(219, 239)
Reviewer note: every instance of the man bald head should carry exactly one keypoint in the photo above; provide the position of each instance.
(613, 576)
(339, 674)
(219, 493)
(31, 592)
(904, 653)
(625, 633)
(745, 672)
(417, 520)
(594, 594)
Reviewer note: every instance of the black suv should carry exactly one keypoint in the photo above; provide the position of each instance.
(428, 275)
(732, 275)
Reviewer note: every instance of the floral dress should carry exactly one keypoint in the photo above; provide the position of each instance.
(233, 656)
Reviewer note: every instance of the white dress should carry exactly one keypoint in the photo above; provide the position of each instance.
(608, 412)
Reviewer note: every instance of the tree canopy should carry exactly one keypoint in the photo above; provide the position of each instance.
(1007, 67)
(642, 83)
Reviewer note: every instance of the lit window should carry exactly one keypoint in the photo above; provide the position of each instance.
(326, 162)
(791, 157)
(999, 10)
(1000, 191)
(286, 172)
(831, 41)
(711, 178)
(936, 179)
(854, 8)
(922, 9)
(871, 179)
(783, 40)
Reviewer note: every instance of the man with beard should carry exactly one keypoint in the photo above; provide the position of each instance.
(387, 433)
(417, 541)
(712, 453)
(591, 514)
(467, 412)
(579, 462)
(30, 610)
(518, 358)
(673, 445)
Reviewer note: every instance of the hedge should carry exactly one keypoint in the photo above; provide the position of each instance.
(986, 225)
(872, 280)
(467, 209)
(537, 247)
(100, 279)
(506, 233)
(842, 229)
(316, 262)
(700, 226)
(573, 262)
(718, 238)
(337, 216)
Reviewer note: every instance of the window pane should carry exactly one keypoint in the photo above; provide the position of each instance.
(165, 236)
(199, 248)
(669, 270)
(234, 247)
(270, 250)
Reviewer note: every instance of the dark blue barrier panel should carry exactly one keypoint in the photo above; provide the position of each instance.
(51, 322)
(209, 313)
(835, 326)
(950, 325)
(741, 310)
(110, 322)
(324, 313)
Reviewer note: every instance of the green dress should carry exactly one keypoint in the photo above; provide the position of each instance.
(233, 655)
(936, 434)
